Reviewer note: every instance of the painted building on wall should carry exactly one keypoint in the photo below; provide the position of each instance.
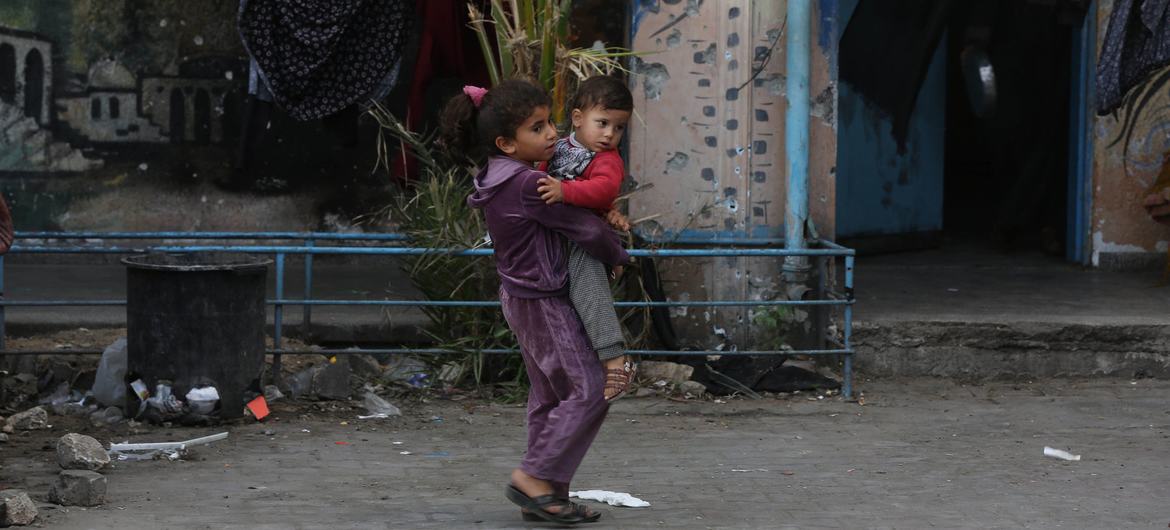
(108, 109)
(191, 110)
(26, 104)
(26, 73)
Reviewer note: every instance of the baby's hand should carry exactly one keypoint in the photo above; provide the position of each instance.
(617, 220)
(550, 190)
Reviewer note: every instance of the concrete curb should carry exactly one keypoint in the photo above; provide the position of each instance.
(1011, 350)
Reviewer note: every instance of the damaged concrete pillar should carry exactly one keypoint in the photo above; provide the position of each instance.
(711, 94)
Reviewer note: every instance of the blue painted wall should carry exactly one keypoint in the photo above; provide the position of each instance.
(881, 191)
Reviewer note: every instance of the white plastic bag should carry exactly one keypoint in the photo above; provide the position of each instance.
(109, 387)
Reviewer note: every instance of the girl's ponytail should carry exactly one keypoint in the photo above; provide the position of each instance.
(457, 122)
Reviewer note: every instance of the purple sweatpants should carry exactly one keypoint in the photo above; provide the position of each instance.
(566, 404)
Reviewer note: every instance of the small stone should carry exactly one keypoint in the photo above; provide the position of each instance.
(3, 437)
(7, 429)
(78, 488)
(16, 509)
(78, 451)
(34, 418)
(693, 388)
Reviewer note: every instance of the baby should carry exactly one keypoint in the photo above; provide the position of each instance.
(588, 173)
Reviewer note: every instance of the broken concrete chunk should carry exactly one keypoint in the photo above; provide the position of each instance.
(16, 509)
(78, 488)
(78, 451)
(664, 371)
(34, 418)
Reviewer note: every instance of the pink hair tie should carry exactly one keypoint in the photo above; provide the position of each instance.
(475, 93)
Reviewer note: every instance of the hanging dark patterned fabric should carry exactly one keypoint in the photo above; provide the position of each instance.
(1137, 43)
(320, 56)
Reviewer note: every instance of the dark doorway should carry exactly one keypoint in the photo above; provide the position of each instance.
(115, 108)
(178, 116)
(7, 73)
(202, 117)
(34, 85)
(1006, 155)
(929, 157)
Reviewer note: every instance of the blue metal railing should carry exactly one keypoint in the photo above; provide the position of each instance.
(94, 243)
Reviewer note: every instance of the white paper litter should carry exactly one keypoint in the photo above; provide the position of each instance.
(612, 498)
(1063, 455)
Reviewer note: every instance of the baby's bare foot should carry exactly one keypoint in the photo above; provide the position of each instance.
(619, 375)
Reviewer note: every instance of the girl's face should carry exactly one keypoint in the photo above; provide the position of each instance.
(534, 140)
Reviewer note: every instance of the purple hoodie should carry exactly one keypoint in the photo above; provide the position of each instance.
(529, 235)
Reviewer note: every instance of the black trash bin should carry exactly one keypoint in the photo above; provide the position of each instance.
(194, 319)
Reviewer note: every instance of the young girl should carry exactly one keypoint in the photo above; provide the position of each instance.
(566, 404)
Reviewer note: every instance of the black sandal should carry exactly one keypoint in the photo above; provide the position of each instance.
(538, 506)
(580, 509)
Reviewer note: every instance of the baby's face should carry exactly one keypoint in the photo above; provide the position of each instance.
(600, 129)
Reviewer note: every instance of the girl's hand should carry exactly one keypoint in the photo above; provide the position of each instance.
(550, 190)
(617, 220)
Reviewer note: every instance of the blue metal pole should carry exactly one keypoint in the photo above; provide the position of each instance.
(847, 384)
(796, 131)
(277, 318)
(307, 315)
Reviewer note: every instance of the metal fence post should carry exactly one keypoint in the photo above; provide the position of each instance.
(848, 375)
(307, 314)
(278, 317)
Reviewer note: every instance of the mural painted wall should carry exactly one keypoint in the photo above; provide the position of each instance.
(120, 115)
(1128, 149)
(709, 142)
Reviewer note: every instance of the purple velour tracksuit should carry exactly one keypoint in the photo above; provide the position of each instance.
(566, 404)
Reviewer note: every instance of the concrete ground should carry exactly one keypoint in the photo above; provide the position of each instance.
(920, 453)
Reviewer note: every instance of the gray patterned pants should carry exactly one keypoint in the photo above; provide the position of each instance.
(591, 297)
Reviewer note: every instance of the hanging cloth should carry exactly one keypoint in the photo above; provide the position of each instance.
(320, 56)
(1137, 43)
